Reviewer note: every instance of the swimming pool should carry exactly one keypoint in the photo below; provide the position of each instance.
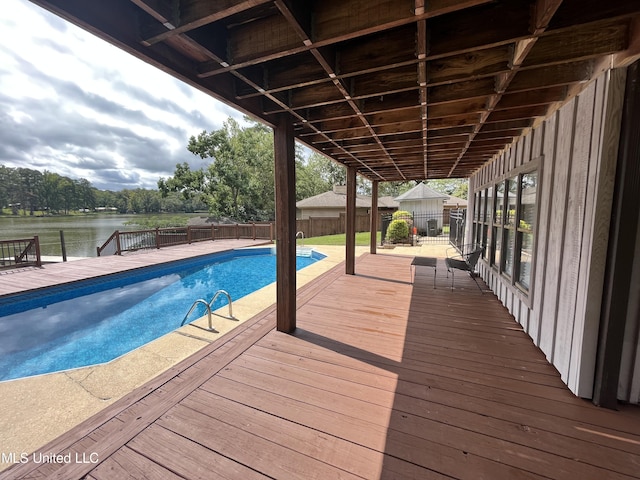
(96, 321)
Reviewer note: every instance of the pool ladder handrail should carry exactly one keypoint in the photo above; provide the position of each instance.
(208, 306)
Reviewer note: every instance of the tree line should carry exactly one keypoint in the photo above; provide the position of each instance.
(237, 183)
(25, 191)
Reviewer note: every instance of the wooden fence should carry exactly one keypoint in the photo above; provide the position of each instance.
(20, 253)
(120, 242)
(320, 226)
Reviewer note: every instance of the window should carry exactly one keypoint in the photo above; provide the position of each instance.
(509, 226)
(478, 219)
(486, 221)
(526, 224)
(496, 231)
(504, 220)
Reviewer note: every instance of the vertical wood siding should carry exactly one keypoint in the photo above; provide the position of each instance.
(577, 148)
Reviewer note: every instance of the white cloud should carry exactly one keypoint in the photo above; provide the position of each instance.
(76, 105)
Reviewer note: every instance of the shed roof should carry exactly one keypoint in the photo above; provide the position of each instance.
(455, 201)
(331, 199)
(421, 192)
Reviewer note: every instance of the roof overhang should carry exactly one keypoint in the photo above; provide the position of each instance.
(398, 89)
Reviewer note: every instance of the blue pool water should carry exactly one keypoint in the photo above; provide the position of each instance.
(98, 320)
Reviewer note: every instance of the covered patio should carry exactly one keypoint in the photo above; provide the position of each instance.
(363, 373)
(383, 378)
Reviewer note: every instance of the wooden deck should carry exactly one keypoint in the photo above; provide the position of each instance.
(382, 379)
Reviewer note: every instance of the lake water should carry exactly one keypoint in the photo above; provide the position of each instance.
(82, 234)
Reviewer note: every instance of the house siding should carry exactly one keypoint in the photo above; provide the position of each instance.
(576, 151)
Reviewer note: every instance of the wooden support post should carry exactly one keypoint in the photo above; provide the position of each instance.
(63, 246)
(350, 220)
(285, 183)
(36, 241)
(373, 222)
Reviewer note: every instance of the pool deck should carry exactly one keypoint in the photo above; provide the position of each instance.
(27, 421)
(385, 377)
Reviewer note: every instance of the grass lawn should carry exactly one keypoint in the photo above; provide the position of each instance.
(362, 238)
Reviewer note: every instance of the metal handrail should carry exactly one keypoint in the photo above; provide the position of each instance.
(194, 305)
(208, 306)
(230, 303)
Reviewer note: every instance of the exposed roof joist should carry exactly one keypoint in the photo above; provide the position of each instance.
(400, 89)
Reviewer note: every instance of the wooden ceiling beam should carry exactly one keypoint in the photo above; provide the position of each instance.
(554, 75)
(632, 52)
(448, 132)
(392, 101)
(328, 112)
(315, 95)
(498, 135)
(590, 41)
(454, 121)
(372, 53)
(453, 139)
(488, 61)
(270, 37)
(191, 14)
(517, 113)
(164, 11)
(393, 116)
(385, 81)
(578, 12)
(543, 11)
(460, 91)
(459, 33)
(276, 30)
(340, 20)
(460, 107)
(541, 96)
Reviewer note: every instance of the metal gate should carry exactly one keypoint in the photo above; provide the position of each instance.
(457, 222)
(424, 228)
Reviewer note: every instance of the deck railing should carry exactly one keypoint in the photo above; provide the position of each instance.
(20, 253)
(131, 241)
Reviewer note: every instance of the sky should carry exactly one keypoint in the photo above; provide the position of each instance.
(75, 105)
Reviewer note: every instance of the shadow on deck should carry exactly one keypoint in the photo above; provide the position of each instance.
(382, 379)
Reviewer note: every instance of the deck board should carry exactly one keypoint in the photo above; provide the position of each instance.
(384, 378)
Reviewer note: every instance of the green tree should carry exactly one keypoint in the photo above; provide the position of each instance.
(394, 189)
(318, 174)
(144, 201)
(85, 194)
(28, 187)
(313, 175)
(458, 187)
(239, 181)
(9, 186)
(50, 192)
(67, 193)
